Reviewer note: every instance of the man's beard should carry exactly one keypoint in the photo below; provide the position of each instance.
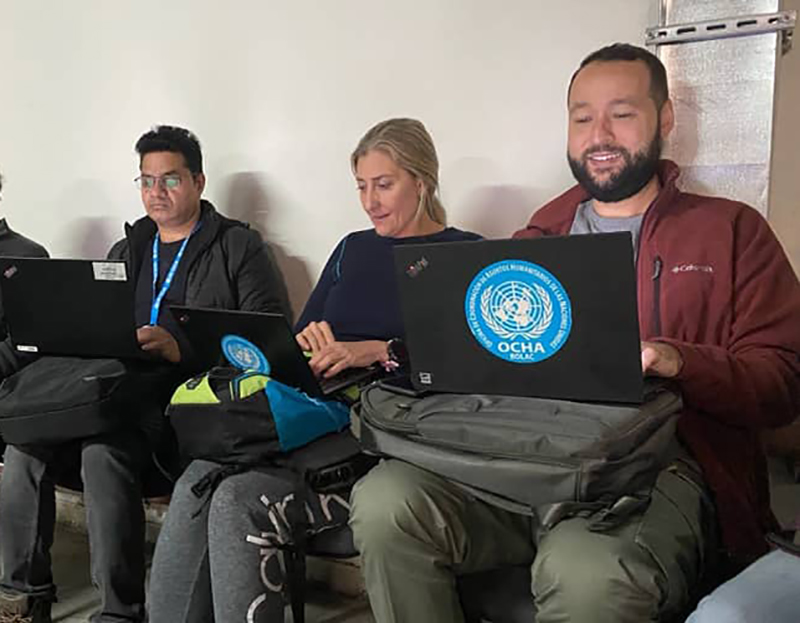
(639, 169)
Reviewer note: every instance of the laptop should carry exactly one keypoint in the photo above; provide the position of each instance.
(69, 307)
(213, 331)
(552, 317)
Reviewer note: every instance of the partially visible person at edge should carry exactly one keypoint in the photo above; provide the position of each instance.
(765, 591)
(214, 560)
(719, 310)
(13, 244)
(217, 262)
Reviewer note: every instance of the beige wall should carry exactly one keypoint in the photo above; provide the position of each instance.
(784, 208)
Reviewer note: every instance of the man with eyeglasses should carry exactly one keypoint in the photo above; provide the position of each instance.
(13, 244)
(182, 252)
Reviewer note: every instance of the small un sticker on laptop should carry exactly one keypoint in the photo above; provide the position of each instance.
(244, 355)
(518, 311)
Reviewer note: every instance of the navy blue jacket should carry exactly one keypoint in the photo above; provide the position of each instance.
(357, 291)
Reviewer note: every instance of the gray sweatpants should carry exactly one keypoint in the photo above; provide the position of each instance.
(110, 468)
(417, 531)
(215, 559)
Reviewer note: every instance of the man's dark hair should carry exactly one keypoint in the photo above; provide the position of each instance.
(175, 140)
(659, 90)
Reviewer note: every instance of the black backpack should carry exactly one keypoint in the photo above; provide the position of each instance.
(244, 417)
(58, 399)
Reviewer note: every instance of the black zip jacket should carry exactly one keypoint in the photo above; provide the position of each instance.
(13, 244)
(227, 264)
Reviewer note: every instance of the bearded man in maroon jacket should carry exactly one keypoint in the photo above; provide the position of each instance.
(719, 310)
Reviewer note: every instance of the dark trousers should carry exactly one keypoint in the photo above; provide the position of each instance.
(110, 467)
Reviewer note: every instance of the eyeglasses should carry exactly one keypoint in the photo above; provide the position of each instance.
(171, 181)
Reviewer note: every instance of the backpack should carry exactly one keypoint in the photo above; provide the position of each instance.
(58, 399)
(240, 417)
(542, 457)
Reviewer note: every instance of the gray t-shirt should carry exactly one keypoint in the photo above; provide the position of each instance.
(587, 221)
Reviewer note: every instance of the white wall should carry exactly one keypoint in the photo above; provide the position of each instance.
(279, 92)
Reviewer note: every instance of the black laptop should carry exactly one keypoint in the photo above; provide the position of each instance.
(69, 307)
(550, 317)
(250, 338)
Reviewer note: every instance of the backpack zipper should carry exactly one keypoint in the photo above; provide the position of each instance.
(516, 456)
(411, 428)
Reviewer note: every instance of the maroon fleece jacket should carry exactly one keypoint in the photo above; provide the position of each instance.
(714, 282)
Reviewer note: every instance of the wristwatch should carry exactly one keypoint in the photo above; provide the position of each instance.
(398, 353)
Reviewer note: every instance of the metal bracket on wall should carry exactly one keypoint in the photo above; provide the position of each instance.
(782, 22)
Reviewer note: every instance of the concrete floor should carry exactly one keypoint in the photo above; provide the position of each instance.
(77, 599)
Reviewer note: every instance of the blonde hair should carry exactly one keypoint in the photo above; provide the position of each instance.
(407, 142)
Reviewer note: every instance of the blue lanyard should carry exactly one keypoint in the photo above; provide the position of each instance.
(157, 299)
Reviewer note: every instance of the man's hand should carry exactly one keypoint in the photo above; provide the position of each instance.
(315, 336)
(659, 359)
(337, 356)
(158, 341)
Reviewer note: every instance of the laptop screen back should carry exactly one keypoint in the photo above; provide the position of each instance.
(550, 317)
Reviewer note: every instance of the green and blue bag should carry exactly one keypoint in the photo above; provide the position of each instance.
(245, 417)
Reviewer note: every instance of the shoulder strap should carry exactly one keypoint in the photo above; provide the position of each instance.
(295, 552)
(604, 515)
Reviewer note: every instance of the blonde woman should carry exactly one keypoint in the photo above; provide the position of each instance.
(396, 171)
(214, 560)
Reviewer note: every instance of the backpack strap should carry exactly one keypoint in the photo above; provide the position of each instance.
(616, 514)
(205, 487)
(604, 515)
(295, 551)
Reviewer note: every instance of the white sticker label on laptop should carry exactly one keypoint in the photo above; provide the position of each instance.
(24, 348)
(109, 271)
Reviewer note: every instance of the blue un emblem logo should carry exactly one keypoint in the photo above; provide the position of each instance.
(518, 311)
(244, 355)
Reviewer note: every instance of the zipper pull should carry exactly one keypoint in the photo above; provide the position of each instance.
(656, 311)
(657, 266)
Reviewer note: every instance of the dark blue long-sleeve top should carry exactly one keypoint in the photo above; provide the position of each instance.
(357, 291)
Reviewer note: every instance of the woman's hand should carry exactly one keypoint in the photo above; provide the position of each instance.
(315, 336)
(337, 356)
